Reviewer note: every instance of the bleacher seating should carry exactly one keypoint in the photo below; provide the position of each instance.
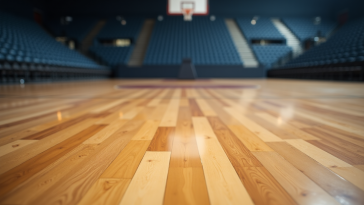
(113, 29)
(269, 54)
(205, 42)
(304, 28)
(77, 29)
(345, 46)
(24, 41)
(112, 56)
(262, 29)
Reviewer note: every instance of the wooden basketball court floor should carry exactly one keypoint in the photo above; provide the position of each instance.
(182, 142)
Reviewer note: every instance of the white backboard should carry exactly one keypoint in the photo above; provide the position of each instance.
(200, 7)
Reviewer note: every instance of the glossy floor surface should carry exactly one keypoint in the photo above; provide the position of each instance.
(182, 142)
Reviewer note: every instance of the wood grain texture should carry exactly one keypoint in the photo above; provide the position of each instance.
(106, 191)
(223, 184)
(262, 187)
(184, 150)
(163, 139)
(237, 153)
(127, 162)
(147, 131)
(5, 149)
(250, 140)
(264, 141)
(258, 130)
(317, 154)
(298, 185)
(21, 173)
(186, 186)
(149, 181)
(340, 189)
(72, 187)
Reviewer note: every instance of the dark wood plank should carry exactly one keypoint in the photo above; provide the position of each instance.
(163, 139)
(195, 109)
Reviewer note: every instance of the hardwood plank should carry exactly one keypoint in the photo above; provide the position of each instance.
(361, 167)
(155, 101)
(6, 149)
(73, 186)
(235, 150)
(170, 117)
(106, 191)
(205, 108)
(184, 102)
(147, 131)
(163, 139)
(352, 174)
(262, 187)
(127, 162)
(298, 185)
(223, 184)
(21, 173)
(195, 109)
(258, 130)
(342, 190)
(250, 140)
(186, 186)
(52, 174)
(317, 154)
(287, 128)
(17, 157)
(130, 114)
(347, 152)
(105, 133)
(150, 189)
(184, 150)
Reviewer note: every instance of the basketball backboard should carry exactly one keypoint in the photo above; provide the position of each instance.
(187, 8)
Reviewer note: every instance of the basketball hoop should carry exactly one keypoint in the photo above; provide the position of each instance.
(187, 14)
(187, 10)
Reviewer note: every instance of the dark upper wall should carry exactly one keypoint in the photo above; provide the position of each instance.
(104, 8)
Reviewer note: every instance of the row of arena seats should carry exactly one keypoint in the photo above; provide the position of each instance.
(24, 41)
(206, 42)
(269, 54)
(262, 29)
(113, 29)
(345, 46)
(76, 29)
(305, 28)
(110, 55)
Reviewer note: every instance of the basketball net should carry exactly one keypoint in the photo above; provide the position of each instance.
(187, 14)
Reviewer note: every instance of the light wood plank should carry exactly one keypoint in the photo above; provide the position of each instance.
(105, 133)
(6, 149)
(317, 154)
(205, 108)
(149, 182)
(258, 130)
(127, 162)
(147, 131)
(298, 185)
(170, 117)
(106, 191)
(352, 174)
(223, 184)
